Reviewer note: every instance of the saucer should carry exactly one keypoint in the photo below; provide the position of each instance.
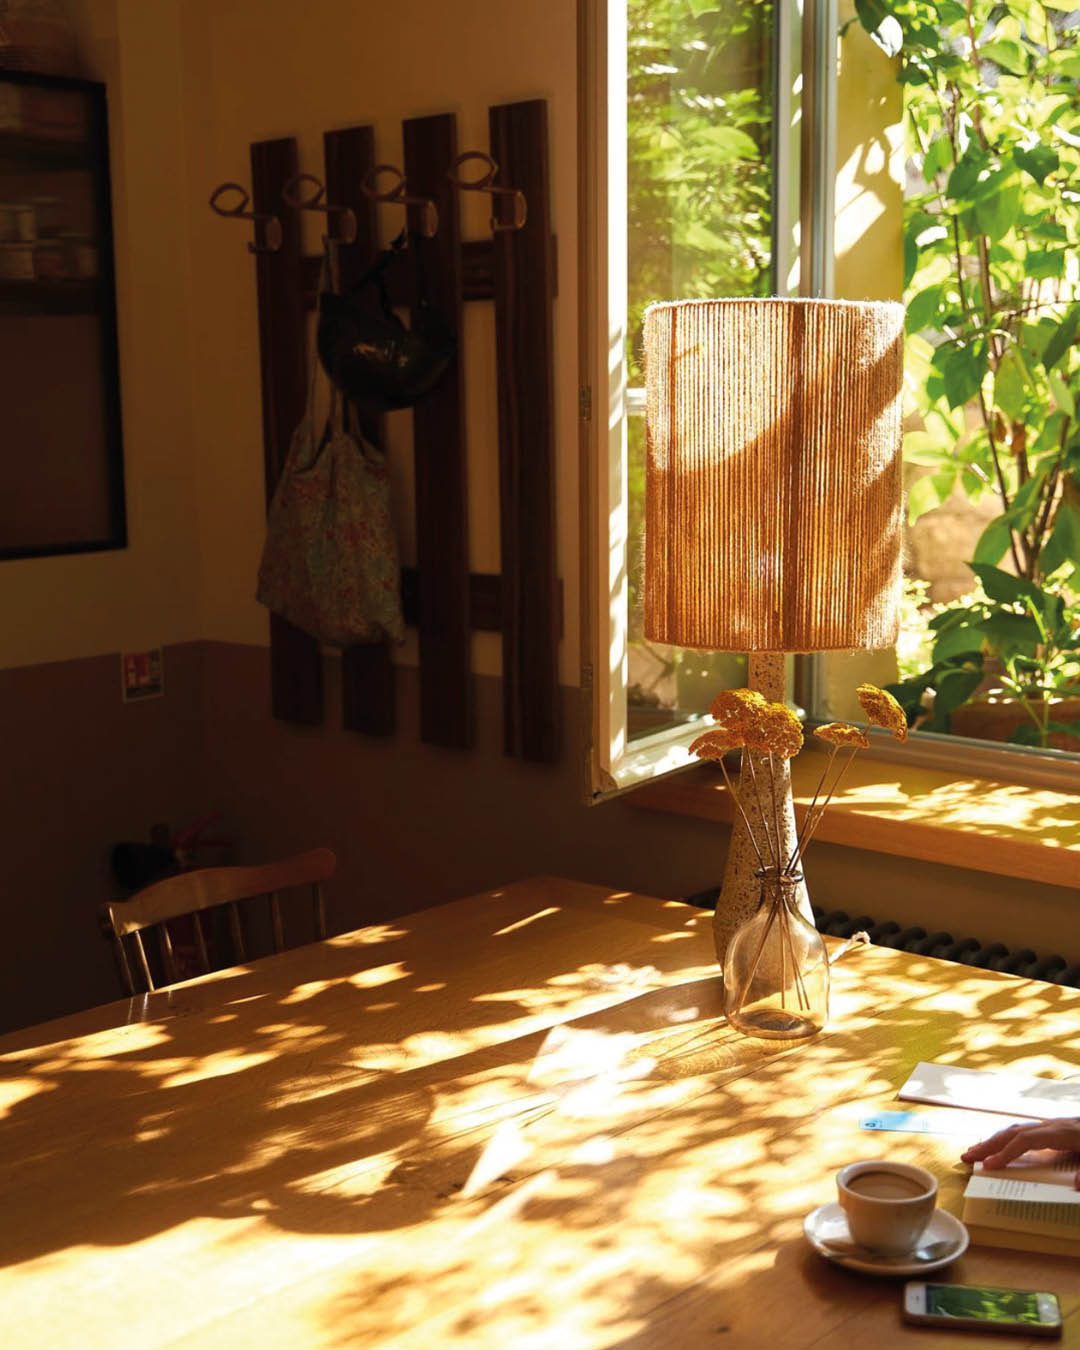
(828, 1223)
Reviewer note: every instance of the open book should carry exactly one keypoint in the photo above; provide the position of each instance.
(1005, 1207)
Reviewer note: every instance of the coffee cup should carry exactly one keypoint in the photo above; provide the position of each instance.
(888, 1204)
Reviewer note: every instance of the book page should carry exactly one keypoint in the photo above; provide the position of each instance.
(1009, 1094)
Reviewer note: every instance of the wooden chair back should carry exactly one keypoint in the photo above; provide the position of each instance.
(192, 892)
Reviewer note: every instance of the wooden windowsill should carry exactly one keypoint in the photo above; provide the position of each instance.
(1005, 828)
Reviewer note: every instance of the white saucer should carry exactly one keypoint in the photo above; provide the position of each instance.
(828, 1223)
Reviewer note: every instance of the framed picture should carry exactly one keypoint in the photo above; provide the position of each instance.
(61, 452)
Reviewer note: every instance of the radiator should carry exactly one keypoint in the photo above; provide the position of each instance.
(970, 951)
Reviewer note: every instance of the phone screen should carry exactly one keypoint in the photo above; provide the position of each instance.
(987, 1305)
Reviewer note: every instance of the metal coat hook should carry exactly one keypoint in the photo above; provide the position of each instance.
(486, 183)
(290, 194)
(429, 215)
(271, 226)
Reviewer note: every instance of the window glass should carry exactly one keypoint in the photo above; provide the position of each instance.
(701, 170)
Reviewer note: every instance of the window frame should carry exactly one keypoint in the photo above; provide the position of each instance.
(805, 178)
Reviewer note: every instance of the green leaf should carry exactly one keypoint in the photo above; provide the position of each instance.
(911, 259)
(993, 542)
(1005, 54)
(1047, 263)
(964, 640)
(955, 687)
(920, 447)
(1065, 62)
(1062, 339)
(965, 175)
(1039, 161)
(1010, 384)
(923, 308)
(962, 368)
(996, 212)
(1007, 589)
(1062, 394)
(923, 496)
(1011, 633)
(937, 157)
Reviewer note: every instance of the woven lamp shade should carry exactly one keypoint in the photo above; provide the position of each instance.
(773, 488)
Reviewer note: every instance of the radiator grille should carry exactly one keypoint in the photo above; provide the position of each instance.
(969, 951)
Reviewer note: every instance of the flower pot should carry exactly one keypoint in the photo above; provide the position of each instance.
(996, 720)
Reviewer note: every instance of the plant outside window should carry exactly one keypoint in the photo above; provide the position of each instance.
(992, 276)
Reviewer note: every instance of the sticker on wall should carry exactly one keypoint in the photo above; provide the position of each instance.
(143, 675)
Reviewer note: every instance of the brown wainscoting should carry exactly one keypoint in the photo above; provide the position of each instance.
(83, 770)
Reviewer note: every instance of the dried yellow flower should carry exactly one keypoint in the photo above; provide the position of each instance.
(738, 708)
(716, 743)
(843, 733)
(776, 731)
(882, 710)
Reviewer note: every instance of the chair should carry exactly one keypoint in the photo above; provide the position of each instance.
(192, 892)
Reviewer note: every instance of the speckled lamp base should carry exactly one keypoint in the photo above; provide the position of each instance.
(738, 900)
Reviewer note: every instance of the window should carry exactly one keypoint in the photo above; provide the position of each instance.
(714, 162)
(690, 177)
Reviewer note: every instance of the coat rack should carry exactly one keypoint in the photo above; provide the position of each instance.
(515, 267)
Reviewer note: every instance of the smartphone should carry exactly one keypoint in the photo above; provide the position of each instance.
(972, 1305)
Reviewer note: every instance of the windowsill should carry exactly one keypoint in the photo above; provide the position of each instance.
(951, 818)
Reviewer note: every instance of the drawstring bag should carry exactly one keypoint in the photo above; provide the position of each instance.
(369, 353)
(330, 563)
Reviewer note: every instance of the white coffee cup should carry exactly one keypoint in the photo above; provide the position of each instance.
(888, 1204)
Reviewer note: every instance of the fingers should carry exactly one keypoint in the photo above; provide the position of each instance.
(981, 1151)
(1001, 1148)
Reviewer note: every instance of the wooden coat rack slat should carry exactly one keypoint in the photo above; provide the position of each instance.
(442, 530)
(295, 659)
(524, 345)
(368, 699)
(517, 270)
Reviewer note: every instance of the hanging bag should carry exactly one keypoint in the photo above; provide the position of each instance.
(369, 353)
(330, 562)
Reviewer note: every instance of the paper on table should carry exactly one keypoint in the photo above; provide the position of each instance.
(971, 1125)
(1008, 1094)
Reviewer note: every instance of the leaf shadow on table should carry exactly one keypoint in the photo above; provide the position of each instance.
(597, 1168)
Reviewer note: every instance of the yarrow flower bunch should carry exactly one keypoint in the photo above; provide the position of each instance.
(745, 720)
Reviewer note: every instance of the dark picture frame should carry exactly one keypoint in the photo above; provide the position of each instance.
(73, 280)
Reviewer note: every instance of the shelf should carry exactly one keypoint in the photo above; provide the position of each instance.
(49, 297)
(23, 150)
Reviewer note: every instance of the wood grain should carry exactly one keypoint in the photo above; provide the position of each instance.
(524, 344)
(295, 658)
(514, 1119)
(368, 693)
(442, 526)
(911, 812)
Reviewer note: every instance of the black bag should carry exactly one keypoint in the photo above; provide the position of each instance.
(369, 353)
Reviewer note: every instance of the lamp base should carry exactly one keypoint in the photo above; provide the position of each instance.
(741, 892)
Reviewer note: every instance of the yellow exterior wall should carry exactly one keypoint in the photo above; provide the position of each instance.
(869, 245)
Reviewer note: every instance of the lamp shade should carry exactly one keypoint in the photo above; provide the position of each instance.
(773, 485)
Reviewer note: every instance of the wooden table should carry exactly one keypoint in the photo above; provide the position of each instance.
(515, 1121)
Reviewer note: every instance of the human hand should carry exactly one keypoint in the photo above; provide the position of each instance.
(1010, 1143)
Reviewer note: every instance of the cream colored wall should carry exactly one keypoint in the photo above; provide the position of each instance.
(277, 68)
(88, 604)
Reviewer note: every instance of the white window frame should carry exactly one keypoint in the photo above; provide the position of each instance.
(613, 764)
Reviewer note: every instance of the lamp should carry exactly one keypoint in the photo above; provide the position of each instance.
(773, 498)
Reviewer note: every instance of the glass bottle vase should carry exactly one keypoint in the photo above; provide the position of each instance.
(776, 969)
